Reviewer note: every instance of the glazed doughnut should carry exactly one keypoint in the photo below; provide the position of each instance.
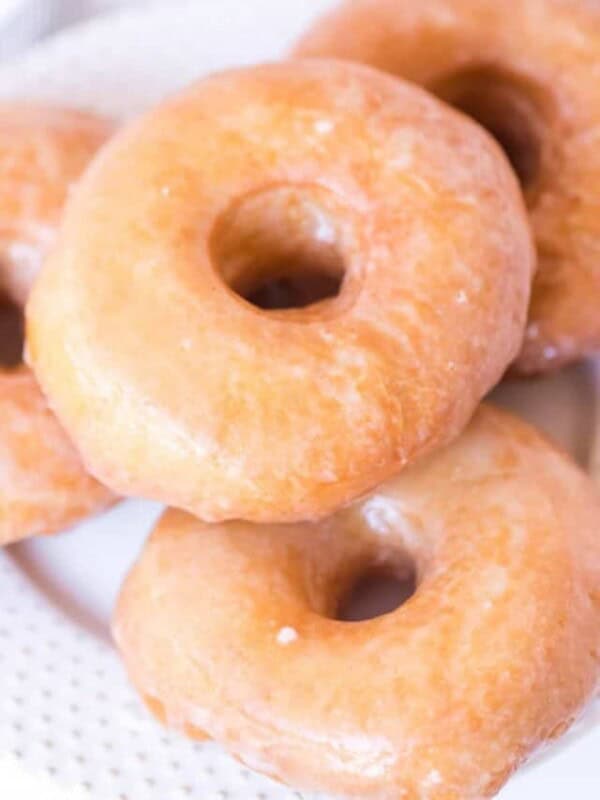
(43, 150)
(156, 354)
(233, 629)
(528, 71)
(44, 486)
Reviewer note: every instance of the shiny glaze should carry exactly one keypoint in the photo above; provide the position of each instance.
(178, 389)
(43, 151)
(230, 630)
(44, 487)
(538, 62)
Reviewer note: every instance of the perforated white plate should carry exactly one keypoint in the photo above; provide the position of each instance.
(70, 726)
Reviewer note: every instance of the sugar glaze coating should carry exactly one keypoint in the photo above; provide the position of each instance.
(231, 629)
(529, 71)
(178, 388)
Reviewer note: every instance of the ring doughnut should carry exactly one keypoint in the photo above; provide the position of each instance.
(530, 75)
(43, 150)
(233, 629)
(324, 170)
(44, 486)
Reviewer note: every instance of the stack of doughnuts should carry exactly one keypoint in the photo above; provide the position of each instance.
(44, 487)
(275, 304)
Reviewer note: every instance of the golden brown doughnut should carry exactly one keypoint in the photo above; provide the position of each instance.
(175, 387)
(44, 486)
(529, 71)
(43, 150)
(232, 629)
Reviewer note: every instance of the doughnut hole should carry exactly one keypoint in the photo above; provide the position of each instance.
(510, 108)
(12, 334)
(279, 249)
(377, 590)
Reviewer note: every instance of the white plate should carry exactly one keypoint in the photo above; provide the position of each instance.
(70, 726)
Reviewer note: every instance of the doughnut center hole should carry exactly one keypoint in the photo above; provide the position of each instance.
(278, 249)
(507, 107)
(12, 334)
(375, 592)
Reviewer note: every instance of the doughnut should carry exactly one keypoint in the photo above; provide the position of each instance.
(43, 150)
(304, 290)
(234, 630)
(44, 486)
(528, 72)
